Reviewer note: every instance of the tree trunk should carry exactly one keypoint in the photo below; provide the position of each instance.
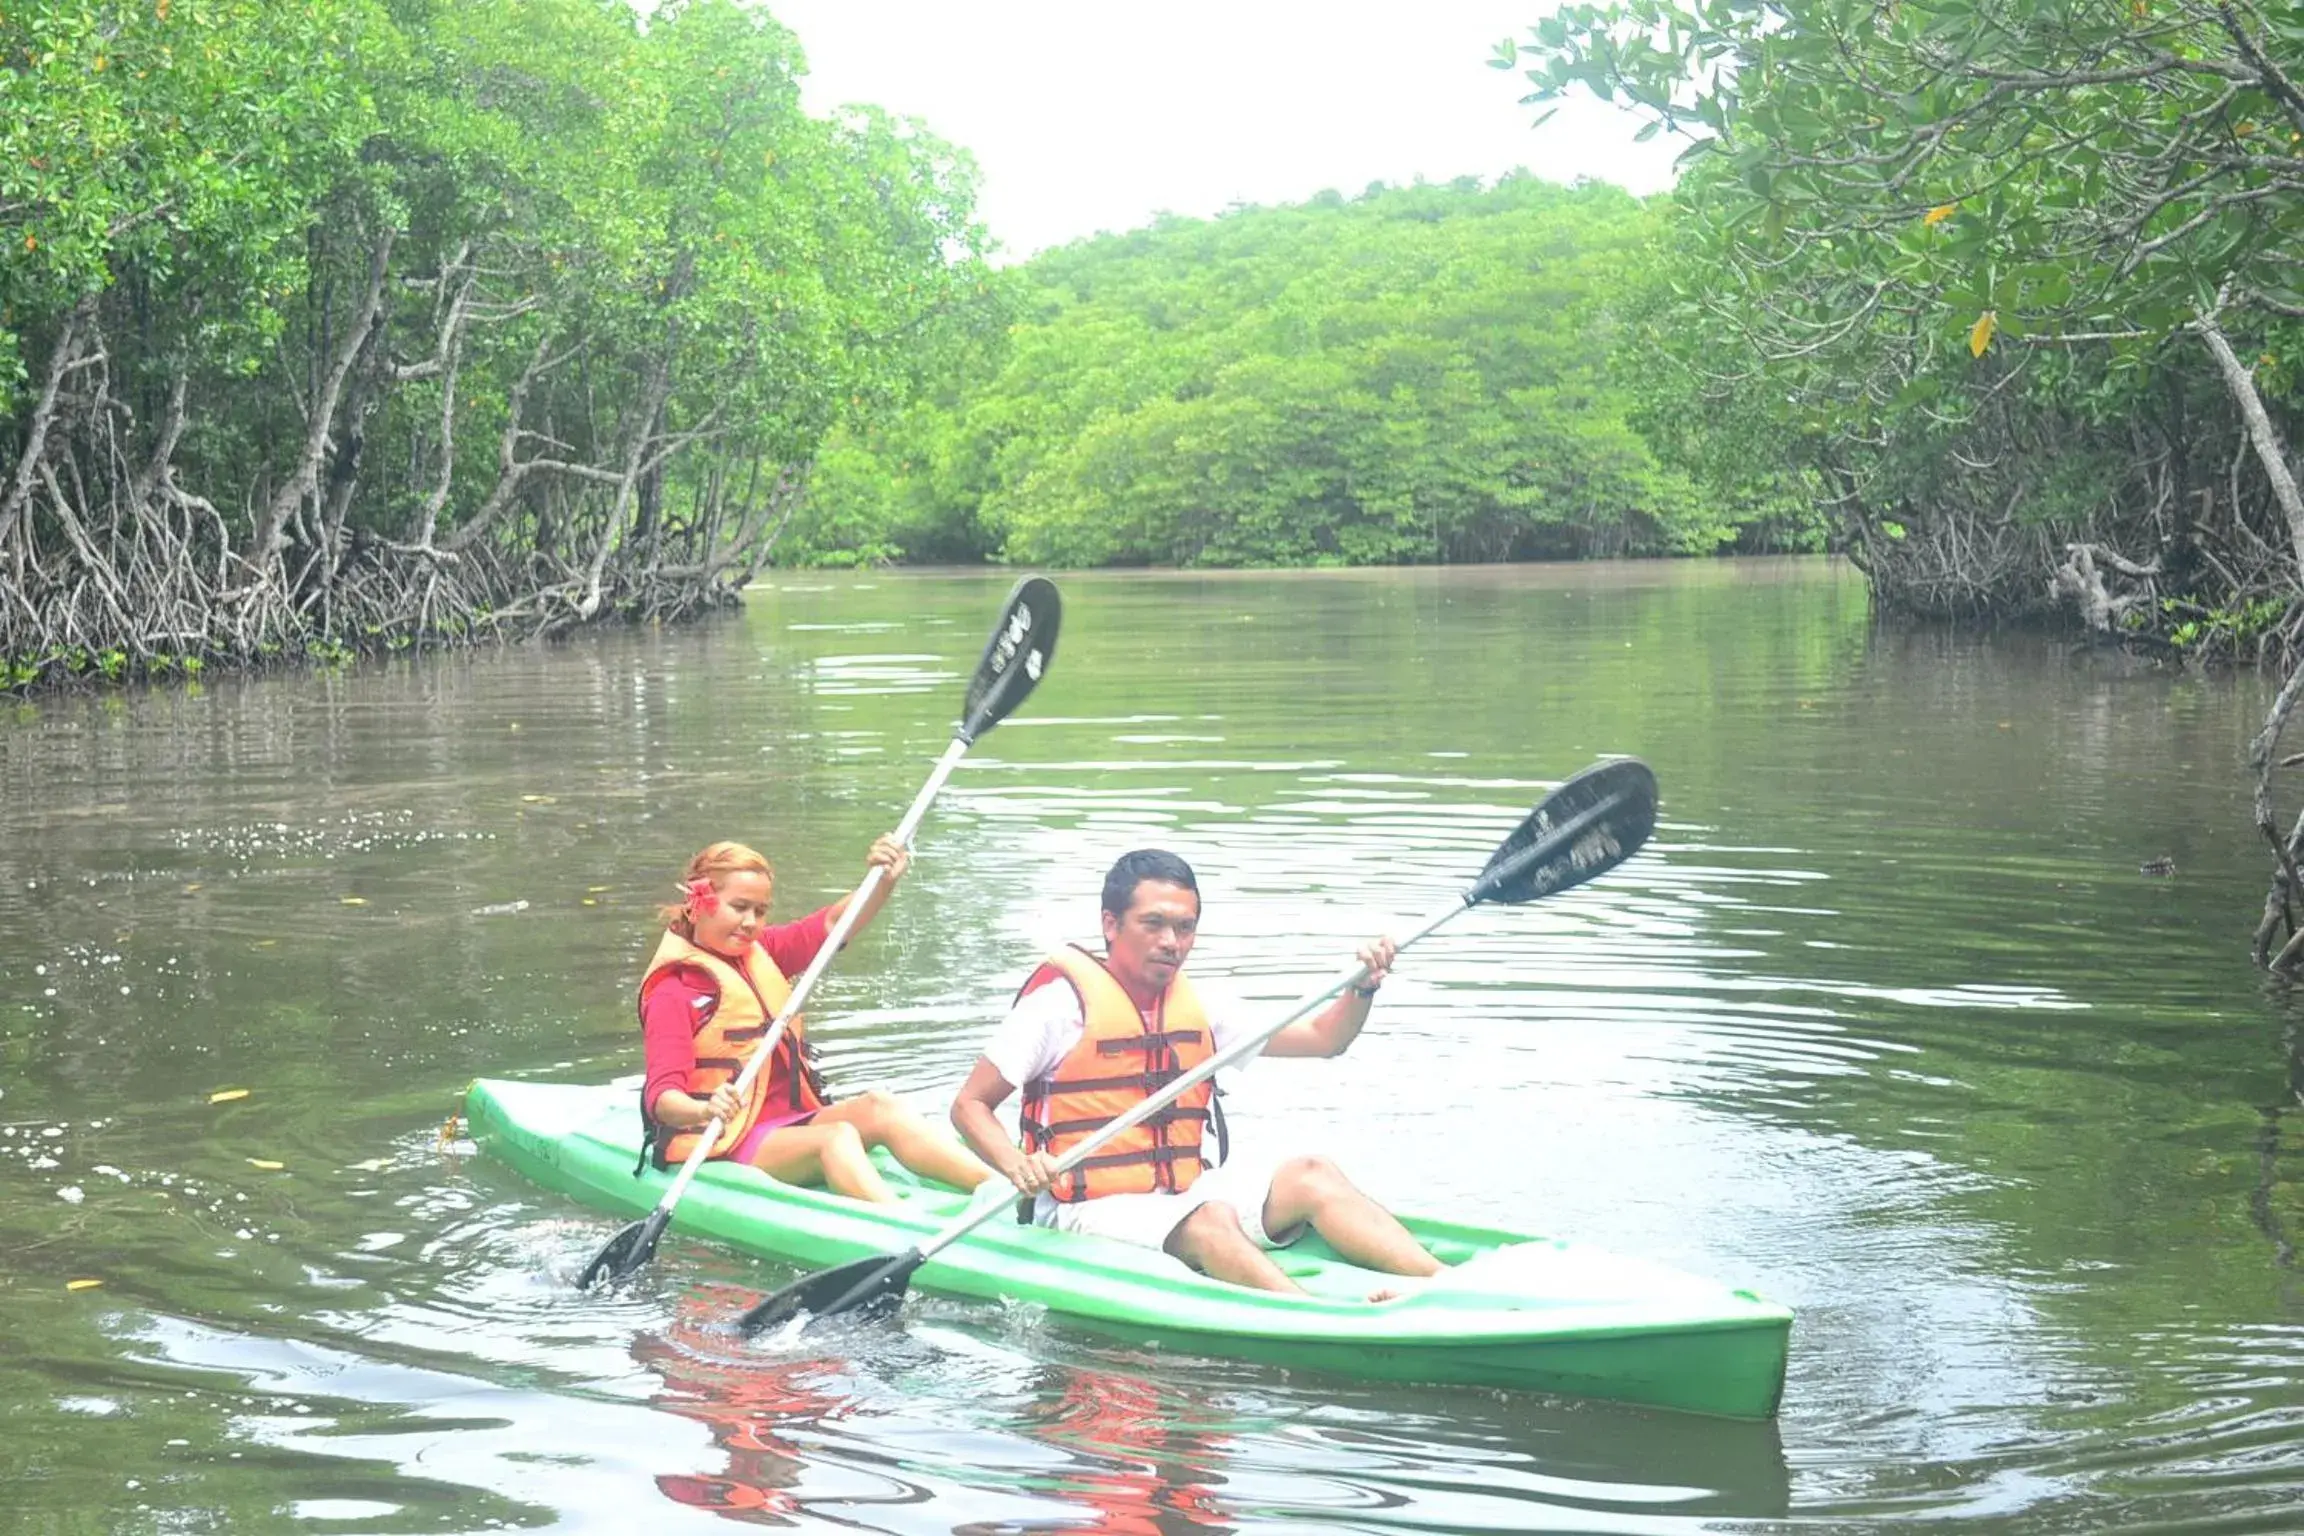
(60, 362)
(303, 483)
(451, 361)
(511, 471)
(627, 488)
(2261, 433)
(2264, 752)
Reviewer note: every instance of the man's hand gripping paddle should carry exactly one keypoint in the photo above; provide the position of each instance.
(1587, 826)
(1014, 661)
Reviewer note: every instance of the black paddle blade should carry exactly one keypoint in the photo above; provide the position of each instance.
(861, 1288)
(1586, 827)
(626, 1252)
(1023, 643)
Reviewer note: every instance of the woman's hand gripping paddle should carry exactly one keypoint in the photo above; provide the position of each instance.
(1587, 826)
(1014, 660)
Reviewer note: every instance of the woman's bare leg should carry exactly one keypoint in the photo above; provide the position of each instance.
(832, 1155)
(883, 1121)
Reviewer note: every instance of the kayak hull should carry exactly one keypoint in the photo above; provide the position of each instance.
(1512, 1311)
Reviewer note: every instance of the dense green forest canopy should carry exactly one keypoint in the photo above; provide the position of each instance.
(1426, 373)
(356, 324)
(2017, 280)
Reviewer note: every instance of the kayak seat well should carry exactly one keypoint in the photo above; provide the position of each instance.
(1309, 1261)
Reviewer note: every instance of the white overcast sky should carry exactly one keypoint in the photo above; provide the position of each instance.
(1088, 115)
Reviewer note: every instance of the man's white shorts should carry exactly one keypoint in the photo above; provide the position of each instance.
(1146, 1220)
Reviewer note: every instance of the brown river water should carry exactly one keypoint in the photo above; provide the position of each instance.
(1887, 1024)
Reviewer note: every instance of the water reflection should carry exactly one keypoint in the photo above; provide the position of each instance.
(973, 1405)
(822, 1434)
(748, 1406)
(1144, 1459)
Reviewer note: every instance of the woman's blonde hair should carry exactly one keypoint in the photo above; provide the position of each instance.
(715, 864)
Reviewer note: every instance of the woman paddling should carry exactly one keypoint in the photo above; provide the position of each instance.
(706, 1001)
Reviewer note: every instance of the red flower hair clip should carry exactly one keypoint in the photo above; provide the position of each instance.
(703, 901)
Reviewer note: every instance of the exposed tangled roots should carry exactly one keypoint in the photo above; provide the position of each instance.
(111, 569)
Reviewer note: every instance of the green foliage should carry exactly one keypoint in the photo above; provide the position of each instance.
(1956, 261)
(624, 287)
(1418, 374)
(187, 140)
(2222, 628)
(2014, 171)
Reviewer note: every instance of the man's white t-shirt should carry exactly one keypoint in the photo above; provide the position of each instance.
(1042, 1028)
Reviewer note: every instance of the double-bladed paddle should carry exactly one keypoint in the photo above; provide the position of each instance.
(1587, 826)
(1015, 658)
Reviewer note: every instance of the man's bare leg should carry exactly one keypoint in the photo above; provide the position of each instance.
(1210, 1240)
(1314, 1190)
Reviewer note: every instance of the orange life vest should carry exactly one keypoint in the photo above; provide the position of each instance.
(749, 998)
(1122, 1059)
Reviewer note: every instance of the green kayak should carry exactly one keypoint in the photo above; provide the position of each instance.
(1511, 1311)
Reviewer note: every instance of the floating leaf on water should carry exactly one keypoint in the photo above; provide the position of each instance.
(266, 943)
(195, 885)
(266, 1164)
(597, 889)
(227, 1095)
(588, 901)
(355, 901)
(82, 1285)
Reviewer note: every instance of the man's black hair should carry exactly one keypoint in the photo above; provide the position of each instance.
(1133, 869)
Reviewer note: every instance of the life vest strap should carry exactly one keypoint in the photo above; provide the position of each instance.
(1162, 1160)
(1043, 1130)
(1151, 1082)
(1147, 1155)
(1151, 1040)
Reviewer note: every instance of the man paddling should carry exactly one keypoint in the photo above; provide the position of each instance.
(1091, 1037)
